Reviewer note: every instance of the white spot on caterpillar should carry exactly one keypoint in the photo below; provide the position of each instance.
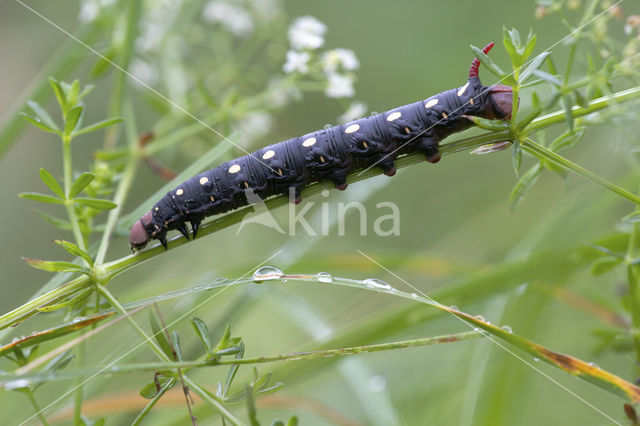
(309, 142)
(203, 180)
(353, 128)
(179, 191)
(234, 169)
(268, 154)
(431, 103)
(463, 89)
(394, 116)
(157, 208)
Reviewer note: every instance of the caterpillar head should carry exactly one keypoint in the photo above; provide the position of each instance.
(500, 97)
(138, 235)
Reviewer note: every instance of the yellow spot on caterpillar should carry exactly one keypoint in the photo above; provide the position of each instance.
(309, 142)
(211, 198)
(407, 130)
(463, 89)
(166, 223)
(280, 172)
(179, 191)
(321, 159)
(431, 103)
(246, 184)
(353, 128)
(364, 144)
(203, 180)
(234, 169)
(268, 154)
(471, 101)
(444, 115)
(394, 116)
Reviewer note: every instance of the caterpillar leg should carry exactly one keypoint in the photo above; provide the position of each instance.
(295, 196)
(163, 241)
(340, 182)
(195, 225)
(183, 230)
(388, 167)
(429, 147)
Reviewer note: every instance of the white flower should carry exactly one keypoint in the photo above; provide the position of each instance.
(339, 86)
(297, 62)
(332, 59)
(88, 11)
(307, 32)
(255, 124)
(143, 73)
(234, 18)
(356, 110)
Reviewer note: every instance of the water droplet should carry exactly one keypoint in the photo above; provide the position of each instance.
(507, 329)
(284, 280)
(267, 273)
(324, 277)
(15, 384)
(536, 359)
(480, 318)
(454, 307)
(594, 365)
(376, 283)
(378, 383)
(414, 295)
(521, 288)
(220, 280)
(327, 126)
(15, 340)
(476, 329)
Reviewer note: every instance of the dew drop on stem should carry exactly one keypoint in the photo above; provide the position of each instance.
(324, 277)
(376, 283)
(266, 273)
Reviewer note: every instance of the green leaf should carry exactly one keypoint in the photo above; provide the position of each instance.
(567, 139)
(490, 148)
(511, 47)
(43, 198)
(604, 264)
(202, 332)
(524, 184)
(535, 64)
(96, 203)
(52, 183)
(57, 222)
(176, 345)
(43, 115)
(535, 100)
(487, 62)
(529, 45)
(566, 100)
(150, 390)
(516, 155)
(524, 122)
(87, 89)
(633, 217)
(97, 126)
(485, 123)
(159, 335)
(60, 93)
(293, 421)
(81, 183)
(38, 124)
(56, 266)
(73, 119)
(73, 91)
(552, 79)
(75, 250)
(80, 296)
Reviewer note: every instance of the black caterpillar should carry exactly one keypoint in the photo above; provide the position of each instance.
(287, 167)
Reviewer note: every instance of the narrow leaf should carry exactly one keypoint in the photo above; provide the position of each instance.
(81, 183)
(73, 119)
(604, 264)
(39, 124)
(534, 65)
(43, 198)
(552, 79)
(530, 45)
(55, 266)
(485, 123)
(517, 156)
(87, 89)
(52, 183)
(490, 148)
(524, 184)
(510, 47)
(82, 295)
(487, 62)
(75, 250)
(150, 390)
(57, 222)
(97, 126)
(158, 334)
(42, 114)
(60, 93)
(96, 203)
(202, 332)
(567, 139)
(633, 217)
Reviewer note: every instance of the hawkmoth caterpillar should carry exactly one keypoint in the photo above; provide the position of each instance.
(328, 154)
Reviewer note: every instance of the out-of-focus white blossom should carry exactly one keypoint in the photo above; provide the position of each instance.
(339, 86)
(335, 58)
(267, 9)
(356, 110)
(156, 22)
(297, 62)
(88, 11)
(143, 73)
(234, 18)
(306, 32)
(255, 124)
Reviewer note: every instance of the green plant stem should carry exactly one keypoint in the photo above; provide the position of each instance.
(68, 181)
(540, 151)
(123, 187)
(213, 401)
(111, 269)
(120, 78)
(634, 286)
(79, 393)
(118, 307)
(147, 409)
(36, 407)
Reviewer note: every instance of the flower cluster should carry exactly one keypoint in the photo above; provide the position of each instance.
(306, 36)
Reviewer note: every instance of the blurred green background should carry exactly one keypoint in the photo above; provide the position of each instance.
(455, 225)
